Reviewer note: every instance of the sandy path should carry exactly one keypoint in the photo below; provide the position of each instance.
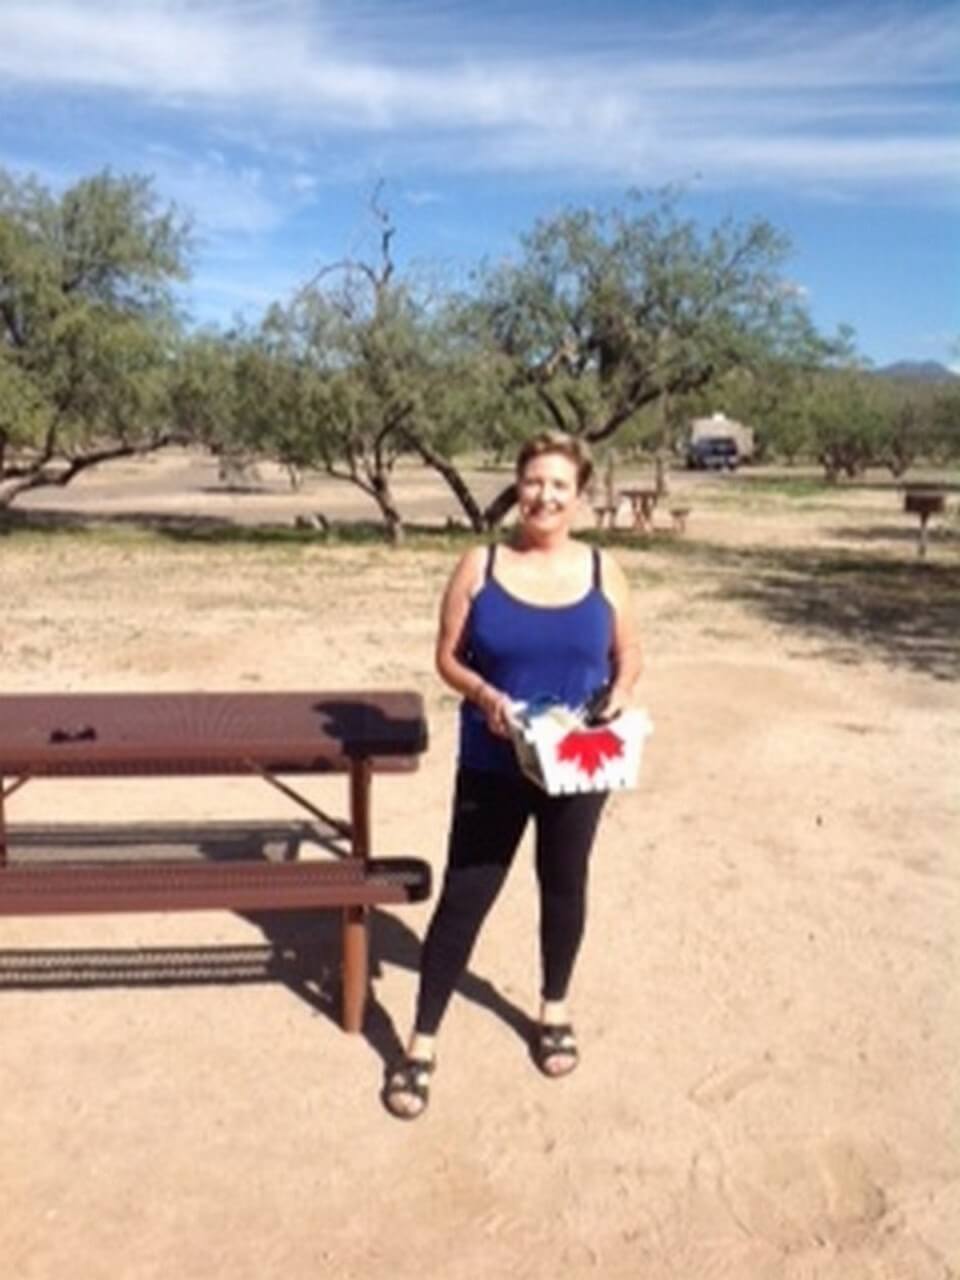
(767, 998)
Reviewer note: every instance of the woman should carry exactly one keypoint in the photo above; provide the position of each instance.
(541, 617)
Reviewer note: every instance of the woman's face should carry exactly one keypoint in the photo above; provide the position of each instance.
(547, 493)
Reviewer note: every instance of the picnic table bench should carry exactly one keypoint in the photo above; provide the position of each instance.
(259, 734)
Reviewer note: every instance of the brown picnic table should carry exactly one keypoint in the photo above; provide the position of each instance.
(642, 501)
(258, 734)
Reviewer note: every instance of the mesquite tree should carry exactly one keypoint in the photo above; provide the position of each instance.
(341, 368)
(86, 325)
(604, 313)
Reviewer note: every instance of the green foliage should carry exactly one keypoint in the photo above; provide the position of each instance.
(849, 419)
(605, 313)
(906, 426)
(607, 325)
(332, 379)
(945, 424)
(24, 414)
(201, 387)
(841, 413)
(619, 326)
(86, 323)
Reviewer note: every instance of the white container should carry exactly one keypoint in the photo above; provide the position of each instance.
(561, 754)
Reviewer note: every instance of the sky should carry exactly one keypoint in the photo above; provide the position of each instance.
(273, 122)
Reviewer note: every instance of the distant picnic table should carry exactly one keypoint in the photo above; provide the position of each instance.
(643, 501)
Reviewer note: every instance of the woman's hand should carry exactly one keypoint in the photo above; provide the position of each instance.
(617, 700)
(495, 707)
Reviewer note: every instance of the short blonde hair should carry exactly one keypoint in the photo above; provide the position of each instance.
(570, 447)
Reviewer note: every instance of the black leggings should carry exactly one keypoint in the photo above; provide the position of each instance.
(490, 812)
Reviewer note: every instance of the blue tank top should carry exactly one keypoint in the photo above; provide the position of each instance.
(532, 652)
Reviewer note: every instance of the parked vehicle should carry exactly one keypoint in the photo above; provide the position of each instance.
(713, 453)
(718, 424)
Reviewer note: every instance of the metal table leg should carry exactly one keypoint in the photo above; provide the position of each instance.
(355, 932)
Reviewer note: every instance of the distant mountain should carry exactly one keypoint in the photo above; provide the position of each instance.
(918, 371)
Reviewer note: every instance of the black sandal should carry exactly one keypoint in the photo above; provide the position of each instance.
(410, 1078)
(554, 1041)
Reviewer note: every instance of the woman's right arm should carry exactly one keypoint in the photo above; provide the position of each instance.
(454, 610)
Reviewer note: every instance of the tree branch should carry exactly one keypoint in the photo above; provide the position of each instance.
(18, 480)
(551, 406)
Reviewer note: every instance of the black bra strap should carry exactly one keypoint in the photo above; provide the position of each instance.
(597, 570)
(491, 557)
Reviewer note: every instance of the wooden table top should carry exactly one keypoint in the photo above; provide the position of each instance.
(77, 734)
(639, 493)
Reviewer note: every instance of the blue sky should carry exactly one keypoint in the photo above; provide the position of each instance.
(272, 121)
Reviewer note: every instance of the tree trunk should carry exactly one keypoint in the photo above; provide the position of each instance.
(395, 530)
(660, 475)
(659, 465)
(610, 479)
(392, 519)
(455, 481)
(497, 510)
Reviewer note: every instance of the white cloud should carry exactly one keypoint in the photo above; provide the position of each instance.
(790, 96)
(850, 159)
(221, 198)
(420, 198)
(217, 295)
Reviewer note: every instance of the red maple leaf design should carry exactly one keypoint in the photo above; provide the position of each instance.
(588, 749)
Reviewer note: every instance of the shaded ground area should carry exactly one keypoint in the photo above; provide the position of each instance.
(906, 614)
(854, 606)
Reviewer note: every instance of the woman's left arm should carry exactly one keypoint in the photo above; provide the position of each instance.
(627, 657)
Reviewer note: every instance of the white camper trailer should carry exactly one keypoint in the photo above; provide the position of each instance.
(719, 426)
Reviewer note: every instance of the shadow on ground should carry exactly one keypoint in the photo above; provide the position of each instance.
(904, 612)
(300, 949)
(899, 608)
(939, 534)
(204, 530)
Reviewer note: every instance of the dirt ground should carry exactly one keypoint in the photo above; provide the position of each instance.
(767, 998)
